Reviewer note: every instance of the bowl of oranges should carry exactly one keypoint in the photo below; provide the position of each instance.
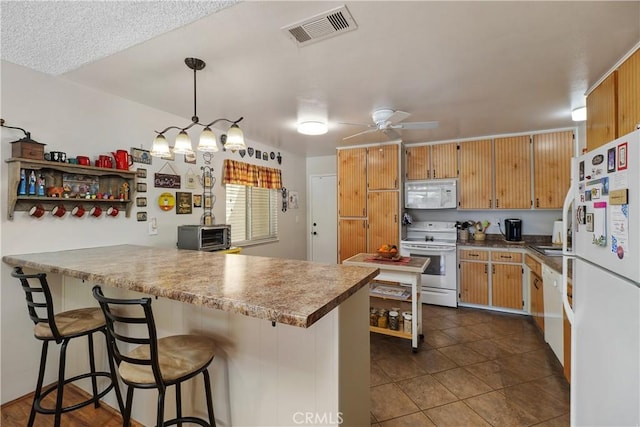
(388, 251)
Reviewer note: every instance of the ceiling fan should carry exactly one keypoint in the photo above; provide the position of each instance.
(388, 121)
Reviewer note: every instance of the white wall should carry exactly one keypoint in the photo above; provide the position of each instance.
(81, 121)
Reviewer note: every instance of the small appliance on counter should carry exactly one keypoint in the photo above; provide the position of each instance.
(204, 237)
(556, 234)
(513, 230)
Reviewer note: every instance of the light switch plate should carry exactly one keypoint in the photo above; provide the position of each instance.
(153, 226)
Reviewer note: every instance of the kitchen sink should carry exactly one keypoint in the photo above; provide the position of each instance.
(548, 250)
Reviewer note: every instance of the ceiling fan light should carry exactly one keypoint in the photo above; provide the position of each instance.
(235, 139)
(579, 114)
(312, 128)
(160, 147)
(183, 144)
(207, 141)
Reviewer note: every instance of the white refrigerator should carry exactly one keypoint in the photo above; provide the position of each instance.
(605, 256)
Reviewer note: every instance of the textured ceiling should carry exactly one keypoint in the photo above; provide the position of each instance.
(478, 68)
(58, 36)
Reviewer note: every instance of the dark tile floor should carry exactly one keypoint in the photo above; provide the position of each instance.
(474, 368)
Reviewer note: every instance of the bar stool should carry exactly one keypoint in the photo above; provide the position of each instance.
(154, 363)
(61, 328)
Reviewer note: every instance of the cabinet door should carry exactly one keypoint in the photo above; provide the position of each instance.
(382, 167)
(383, 219)
(537, 300)
(506, 286)
(474, 283)
(602, 113)
(629, 94)
(418, 162)
(552, 154)
(444, 160)
(476, 172)
(513, 172)
(352, 238)
(352, 182)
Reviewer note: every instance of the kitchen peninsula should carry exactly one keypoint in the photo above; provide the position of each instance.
(293, 335)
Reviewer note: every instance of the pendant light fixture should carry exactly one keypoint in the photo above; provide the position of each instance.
(207, 142)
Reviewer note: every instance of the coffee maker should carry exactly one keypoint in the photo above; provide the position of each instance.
(513, 229)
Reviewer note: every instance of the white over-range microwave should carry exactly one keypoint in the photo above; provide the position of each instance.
(431, 194)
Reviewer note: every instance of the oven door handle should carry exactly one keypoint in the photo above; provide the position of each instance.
(431, 248)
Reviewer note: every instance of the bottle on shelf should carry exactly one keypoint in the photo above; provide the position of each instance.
(41, 185)
(32, 184)
(22, 190)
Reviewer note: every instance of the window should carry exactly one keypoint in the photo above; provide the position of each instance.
(252, 213)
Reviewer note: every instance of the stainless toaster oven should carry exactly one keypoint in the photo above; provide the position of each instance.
(204, 237)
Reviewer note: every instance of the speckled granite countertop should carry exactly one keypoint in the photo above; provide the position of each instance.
(496, 241)
(291, 292)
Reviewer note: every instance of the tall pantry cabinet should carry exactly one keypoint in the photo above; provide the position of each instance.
(368, 198)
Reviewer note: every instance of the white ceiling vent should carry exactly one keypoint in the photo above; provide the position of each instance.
(328, 24)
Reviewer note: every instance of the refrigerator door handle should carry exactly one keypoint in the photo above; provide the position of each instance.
(568, 201)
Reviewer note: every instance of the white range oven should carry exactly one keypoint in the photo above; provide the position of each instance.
(435, 240)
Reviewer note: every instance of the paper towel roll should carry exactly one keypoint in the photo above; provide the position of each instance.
(556, 234)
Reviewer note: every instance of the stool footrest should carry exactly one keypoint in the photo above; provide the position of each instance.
(193, 420)
(92, 399)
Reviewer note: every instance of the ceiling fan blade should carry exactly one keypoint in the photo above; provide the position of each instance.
(391, 133)
(397, 116)
(417, 125)
(359, 133)
(367, 125)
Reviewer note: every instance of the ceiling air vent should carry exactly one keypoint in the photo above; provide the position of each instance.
(328, 24)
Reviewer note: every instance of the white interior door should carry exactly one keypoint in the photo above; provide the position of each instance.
(324, 219)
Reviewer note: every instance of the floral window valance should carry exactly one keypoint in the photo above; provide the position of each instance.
(241, 173)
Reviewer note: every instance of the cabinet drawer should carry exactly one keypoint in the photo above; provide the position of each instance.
(474, 255)
(499, 256)
(533, 265)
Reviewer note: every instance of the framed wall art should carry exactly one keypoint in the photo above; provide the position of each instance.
(166, 180)
(141, 202)
(197, 200)
(141, 187)
(141, 216)
(183, 203)
(141, 156)
(190, 158)
(141, 173)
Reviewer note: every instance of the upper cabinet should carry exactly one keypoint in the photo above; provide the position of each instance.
(613, 107)
(382, 167)
(432, 161)
(629, 94)
(601, 113)
(552, 154)
(352, 182)
(476, 174)
(512, 172)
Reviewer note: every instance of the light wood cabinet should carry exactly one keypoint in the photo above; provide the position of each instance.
(552, 154)
(383, 219)
(493, 278)
(474, 282)
(352, 235)
(352, 182)
(512, 172)
(382, 167)
(368, 199)
(432, 161)
(476, 174)
(506, 286)
(629, 94)
(535, 291)
(602, 113)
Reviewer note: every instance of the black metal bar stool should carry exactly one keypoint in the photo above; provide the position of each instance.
(154, 363)
(61, 328)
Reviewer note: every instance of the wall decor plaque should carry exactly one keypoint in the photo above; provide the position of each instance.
(163, 180)
(183, 203)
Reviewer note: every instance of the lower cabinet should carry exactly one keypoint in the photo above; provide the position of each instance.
(491, 278)
(352, 235)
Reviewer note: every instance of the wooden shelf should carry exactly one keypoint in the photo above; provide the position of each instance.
(387, 331)
(111, 178)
